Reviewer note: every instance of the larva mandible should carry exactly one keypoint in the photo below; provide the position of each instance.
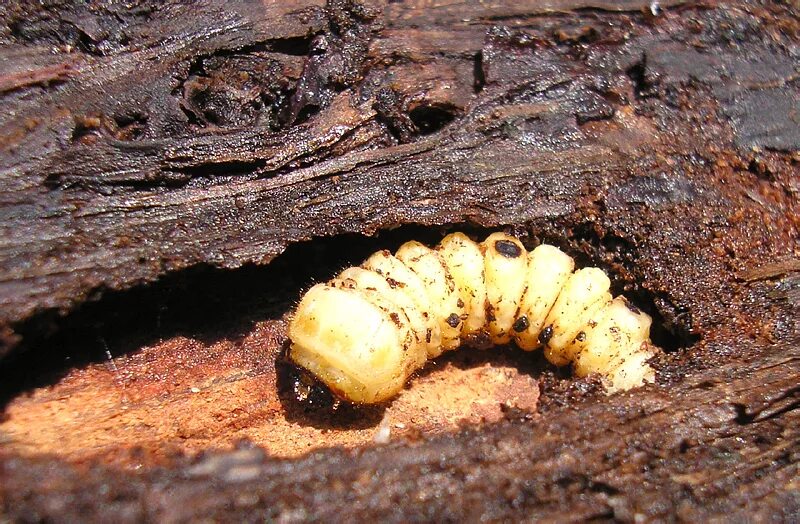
(366, 331)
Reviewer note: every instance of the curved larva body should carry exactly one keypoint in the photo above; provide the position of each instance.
(367, 330)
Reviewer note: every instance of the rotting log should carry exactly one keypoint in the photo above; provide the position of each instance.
(186, 156)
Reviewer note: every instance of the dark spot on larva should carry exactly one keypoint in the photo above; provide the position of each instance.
(581, 336)
(592, 324)
(521, 324)
(379, 271)
(507, 248)
(425, 314)
(428, 336)
(394, 283)
(453, 320)
(546, 335)
(460, 303)
(395, 318)
(633, 309)
(490, 313)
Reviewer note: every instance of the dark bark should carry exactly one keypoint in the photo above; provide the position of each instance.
(657, 141)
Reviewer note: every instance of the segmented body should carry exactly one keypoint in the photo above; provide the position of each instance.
(366, 331)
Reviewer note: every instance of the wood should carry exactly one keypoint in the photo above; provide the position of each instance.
(184, 170)
(722, 445)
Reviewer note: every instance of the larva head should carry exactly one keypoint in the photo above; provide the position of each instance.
(358, 348)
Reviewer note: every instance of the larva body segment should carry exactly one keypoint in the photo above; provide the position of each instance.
(583, 295)
(445, 301)
(548, 269)
(372, 282)
(630, 372)
(465, 260)
(366, 331)
(505, 264)
(403, 280)
(618, 333)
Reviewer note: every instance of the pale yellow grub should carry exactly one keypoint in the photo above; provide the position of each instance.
(584, 293)
(351, 344)
(365, 332)
(548, 270)
(619, 332)
(465, 261)
(405, 280)
(441, 289)
(505, 266)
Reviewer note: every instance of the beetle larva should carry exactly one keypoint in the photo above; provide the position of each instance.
(366, 331)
